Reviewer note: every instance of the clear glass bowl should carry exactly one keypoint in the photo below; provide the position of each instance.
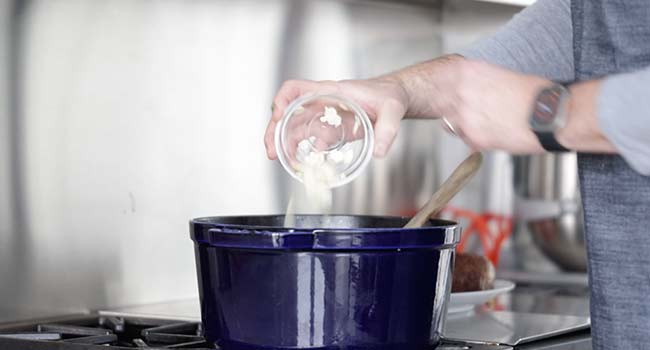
(328, 133)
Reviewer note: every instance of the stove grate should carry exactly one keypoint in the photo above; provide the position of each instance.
(98, 332)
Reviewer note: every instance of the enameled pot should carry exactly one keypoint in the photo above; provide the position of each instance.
(331, 282)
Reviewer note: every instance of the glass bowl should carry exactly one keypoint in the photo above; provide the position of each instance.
(327, 134)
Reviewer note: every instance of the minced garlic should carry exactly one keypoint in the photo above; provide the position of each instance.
(331, 117)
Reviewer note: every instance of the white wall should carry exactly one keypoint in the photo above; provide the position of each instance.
(5, 212)
(8, 272)
(138, 116)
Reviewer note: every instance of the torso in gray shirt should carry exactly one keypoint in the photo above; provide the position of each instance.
(589, 39)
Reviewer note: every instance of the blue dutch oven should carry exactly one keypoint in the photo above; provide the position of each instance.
(332, 282)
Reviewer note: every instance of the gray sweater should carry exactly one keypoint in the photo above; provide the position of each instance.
(539, 41)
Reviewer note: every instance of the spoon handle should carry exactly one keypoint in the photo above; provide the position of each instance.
(454, 183)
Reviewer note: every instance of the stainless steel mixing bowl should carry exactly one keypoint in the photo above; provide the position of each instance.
(549, 201)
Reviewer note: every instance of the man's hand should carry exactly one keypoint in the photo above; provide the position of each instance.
(488, 106)
(383, 99)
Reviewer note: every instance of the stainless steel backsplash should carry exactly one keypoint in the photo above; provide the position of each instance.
(124, 119)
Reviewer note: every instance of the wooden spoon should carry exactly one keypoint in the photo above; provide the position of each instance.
(454, 183)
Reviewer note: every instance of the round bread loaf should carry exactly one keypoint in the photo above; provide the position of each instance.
(472, 272)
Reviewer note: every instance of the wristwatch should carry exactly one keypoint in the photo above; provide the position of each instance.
(549, 115)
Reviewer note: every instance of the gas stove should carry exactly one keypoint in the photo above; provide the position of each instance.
(101, 332)
(114, 331)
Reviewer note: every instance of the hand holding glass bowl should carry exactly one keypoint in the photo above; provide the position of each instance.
(382, 100)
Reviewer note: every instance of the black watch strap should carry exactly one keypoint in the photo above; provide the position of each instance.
(549, 142)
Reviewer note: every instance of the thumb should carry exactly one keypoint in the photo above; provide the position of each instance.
(387, 126)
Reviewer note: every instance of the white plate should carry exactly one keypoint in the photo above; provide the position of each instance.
(466, 301)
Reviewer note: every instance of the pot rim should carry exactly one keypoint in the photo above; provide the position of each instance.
(220, 231)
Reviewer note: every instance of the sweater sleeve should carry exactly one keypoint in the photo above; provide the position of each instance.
(624, 116)
(538, 40)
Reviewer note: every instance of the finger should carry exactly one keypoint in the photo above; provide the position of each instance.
(288, 92)
(269, 140)
(387, 126)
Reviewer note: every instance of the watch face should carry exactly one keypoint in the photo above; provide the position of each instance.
(545, 113)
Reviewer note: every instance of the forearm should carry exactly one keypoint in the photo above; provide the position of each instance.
(537, 41)
(486, 103)
(583, 131)
(428, 85)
